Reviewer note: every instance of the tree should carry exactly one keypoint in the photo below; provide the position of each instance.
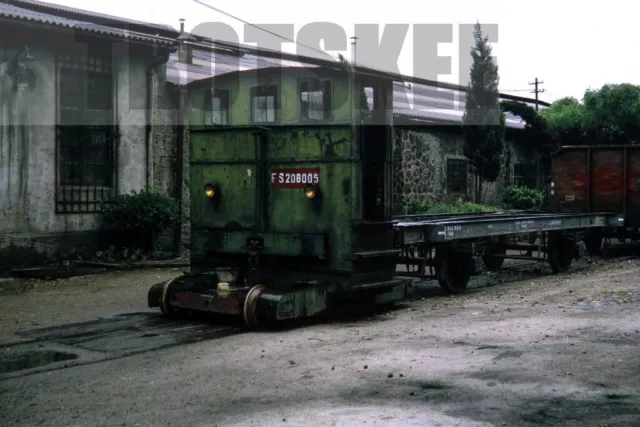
(483, 122)
(535, 138)
(565, 120)
(536, 132)
(612, 114)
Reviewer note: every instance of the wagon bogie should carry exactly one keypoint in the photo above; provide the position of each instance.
(495, 252)
(454, 268)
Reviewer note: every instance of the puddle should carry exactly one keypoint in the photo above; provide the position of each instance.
(32, 359)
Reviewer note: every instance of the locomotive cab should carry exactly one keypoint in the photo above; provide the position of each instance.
(290, 196)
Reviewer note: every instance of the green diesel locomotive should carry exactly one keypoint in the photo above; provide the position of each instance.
(291, 197)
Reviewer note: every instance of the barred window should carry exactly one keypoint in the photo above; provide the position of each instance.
(525, 175)
(85, 134)
(456, 175)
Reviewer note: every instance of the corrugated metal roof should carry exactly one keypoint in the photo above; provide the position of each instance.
(210, 64)
(419, 102)
(20, 14)
(29, 4)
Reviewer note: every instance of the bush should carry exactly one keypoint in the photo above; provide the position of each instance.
(465, 207)
(522, 198)
(137, 216)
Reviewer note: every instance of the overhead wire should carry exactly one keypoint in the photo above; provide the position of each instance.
(265, 30)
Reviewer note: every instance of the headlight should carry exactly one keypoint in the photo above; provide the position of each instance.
(311, 191)
(210, 191)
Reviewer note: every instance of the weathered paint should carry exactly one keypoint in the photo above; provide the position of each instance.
(28, 116)
(227, 158)
(593, 179)
(287, 81)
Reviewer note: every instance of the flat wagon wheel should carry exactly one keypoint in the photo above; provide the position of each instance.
(453, 270)
(498, 247)
(593, 241)
(560, 251)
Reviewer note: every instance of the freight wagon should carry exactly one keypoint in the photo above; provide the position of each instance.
(599, 179)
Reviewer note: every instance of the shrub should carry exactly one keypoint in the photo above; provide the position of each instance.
(522, 198)
(137, 216)
(465, 207)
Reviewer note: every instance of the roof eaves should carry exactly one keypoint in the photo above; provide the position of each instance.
(61, 10)
(19, 14)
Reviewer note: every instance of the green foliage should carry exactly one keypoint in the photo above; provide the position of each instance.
(612, 114)
(536, 132)
(565, 120)
(136, 216)
(415, 208)
(483, 123)
(522, 198)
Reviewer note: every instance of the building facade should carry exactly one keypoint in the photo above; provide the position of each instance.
(75, 105)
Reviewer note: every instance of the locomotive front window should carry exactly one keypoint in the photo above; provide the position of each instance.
(315, 99)
(217, 107)
(264, 104)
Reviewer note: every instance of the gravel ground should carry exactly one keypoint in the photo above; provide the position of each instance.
(521, 348)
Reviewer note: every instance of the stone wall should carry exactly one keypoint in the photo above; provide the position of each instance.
(420, 168)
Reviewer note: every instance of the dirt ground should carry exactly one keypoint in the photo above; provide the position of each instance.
(521, 348)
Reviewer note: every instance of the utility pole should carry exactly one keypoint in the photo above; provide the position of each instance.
(536, 90)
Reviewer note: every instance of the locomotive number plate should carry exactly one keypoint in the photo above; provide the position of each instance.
(294, 178)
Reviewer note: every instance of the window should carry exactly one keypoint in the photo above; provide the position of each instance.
(457, 175)
(264, 104)
(366, 103)
(85, 136)
(315, 99)
(217, 107)
(525, 175)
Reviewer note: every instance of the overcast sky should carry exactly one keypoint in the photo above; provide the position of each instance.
(571, 45)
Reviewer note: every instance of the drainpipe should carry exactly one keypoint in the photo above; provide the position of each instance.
(151, 80)
(180, 143)
(354, 91)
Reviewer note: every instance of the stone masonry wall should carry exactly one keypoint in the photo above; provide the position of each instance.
(420, 175)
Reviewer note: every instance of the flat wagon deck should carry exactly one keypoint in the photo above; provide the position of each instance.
(453, 247)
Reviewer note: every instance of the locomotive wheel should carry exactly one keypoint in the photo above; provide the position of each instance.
(497, 247)
(249, 309)
(453, 270)
(164, 300)
(593, 241)
(560, 253)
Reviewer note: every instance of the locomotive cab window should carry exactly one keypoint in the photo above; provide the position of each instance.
(217, 107)
(264, 104)
(315, 99)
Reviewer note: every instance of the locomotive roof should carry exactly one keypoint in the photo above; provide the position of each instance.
(436, 102)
